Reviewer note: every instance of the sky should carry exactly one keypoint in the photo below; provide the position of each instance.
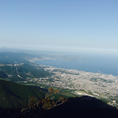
(64, 25)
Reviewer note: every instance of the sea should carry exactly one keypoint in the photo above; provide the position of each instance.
(91, 62)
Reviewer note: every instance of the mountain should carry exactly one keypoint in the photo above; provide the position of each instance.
(82, 107)
(22, 71)
(13, 95)
(12, 57)
(22, 96)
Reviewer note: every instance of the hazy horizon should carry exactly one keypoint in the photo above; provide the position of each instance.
(62, 25)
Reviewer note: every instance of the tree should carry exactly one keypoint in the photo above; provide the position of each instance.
(32, 102)
(50, 90)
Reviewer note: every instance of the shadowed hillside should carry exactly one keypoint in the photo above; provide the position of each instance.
(83, 107)
(14, 95)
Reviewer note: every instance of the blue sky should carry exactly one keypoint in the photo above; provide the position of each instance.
(58, 24)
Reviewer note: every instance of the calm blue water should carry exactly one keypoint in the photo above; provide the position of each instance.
(102, 63)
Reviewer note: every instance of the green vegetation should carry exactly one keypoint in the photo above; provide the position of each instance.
(28, 92)
(22, 72)
(14, 95)
(46, 103)
(3, 75)
(32, 71)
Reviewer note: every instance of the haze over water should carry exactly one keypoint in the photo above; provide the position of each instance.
(91, 62)
(63, 25)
